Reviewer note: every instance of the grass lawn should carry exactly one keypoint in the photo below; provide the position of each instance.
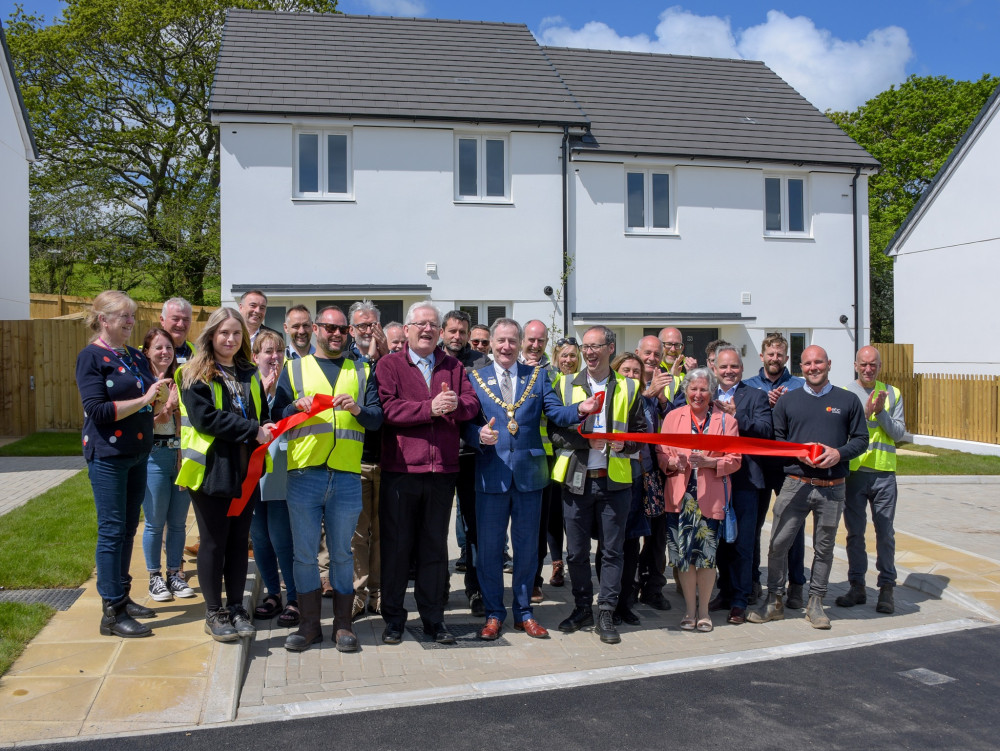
(937, 461)
(45, 444)
(19, 622)
(49, 541)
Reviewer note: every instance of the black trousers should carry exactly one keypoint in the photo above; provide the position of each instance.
(223, 550)
(414, 513)
(653, 557)
(543, 532)
(465, 489)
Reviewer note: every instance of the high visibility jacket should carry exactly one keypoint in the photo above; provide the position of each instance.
(881, 453)
(195, 445)
(619, 465)
(333, 438)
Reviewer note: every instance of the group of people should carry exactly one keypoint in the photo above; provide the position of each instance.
(357, 495)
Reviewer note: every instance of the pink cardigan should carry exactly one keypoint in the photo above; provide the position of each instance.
(711, 493)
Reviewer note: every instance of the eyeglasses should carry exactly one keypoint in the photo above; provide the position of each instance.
(424, 324)
(364, 328)
(480, 342)
(673, 345)
(568, 340)
(592, 347)
(330, 328)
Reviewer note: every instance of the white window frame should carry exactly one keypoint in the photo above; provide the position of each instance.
(806, 230)
(481, 139)
(483, 309)
(323, 193)
(647, 172)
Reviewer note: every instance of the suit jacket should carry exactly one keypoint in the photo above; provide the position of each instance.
(515, 461)
(753, 417)
(711, 491)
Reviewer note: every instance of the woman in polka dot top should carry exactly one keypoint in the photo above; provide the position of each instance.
(117, 389)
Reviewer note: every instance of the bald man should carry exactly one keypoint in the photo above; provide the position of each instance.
(872, 483)
(674, 361)
(833, 418)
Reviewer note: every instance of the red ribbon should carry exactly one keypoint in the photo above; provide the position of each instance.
(255, 470)
(718, 443)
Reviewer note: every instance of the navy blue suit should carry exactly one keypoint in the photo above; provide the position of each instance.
(510, 476)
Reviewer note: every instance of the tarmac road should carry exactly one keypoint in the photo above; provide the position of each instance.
(854, 699)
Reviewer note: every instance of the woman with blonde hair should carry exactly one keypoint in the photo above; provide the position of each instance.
(226, 416)
(117, 389)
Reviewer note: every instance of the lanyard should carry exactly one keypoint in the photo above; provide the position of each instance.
(128, 363)
(703, 428)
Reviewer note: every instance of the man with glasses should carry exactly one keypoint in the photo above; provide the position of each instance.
(324, 472)
(425, 396)
(674, 361)
(479, 339)
(597, 479)
(368, 346)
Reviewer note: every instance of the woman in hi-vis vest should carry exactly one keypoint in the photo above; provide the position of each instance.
(224, 416)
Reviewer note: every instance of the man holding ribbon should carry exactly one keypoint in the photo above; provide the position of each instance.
(511, 471)
(597, 475)
(324, 471)
(835, 420)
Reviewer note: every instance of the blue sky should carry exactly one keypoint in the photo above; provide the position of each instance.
(836, 54)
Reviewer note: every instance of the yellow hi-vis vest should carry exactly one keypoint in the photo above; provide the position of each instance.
(333, 437)
(195, 445)
(619, 465)
(881, 453)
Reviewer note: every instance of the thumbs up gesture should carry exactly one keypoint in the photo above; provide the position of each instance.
(444, 402)
(487, 435)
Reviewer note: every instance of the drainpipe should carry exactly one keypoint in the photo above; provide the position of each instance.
(565, 229)
(857, 276)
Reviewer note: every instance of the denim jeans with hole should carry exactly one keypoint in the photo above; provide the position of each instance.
(119, 484)
(164, 505)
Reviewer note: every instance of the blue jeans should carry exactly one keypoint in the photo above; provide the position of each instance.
(877, 490)
(119, 484)
(317, 495)
(164, 504)
(524, 512)
(271, 534)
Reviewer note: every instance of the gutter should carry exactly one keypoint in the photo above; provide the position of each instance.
(565, 229)
(857, 282)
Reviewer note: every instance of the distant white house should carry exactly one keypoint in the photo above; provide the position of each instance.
(947, 258)
(17, 151)
(410, 159)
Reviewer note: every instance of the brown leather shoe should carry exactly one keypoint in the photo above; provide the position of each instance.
(537, 595)
(192, 550)
(558, 578)
(737, 616)
(491, 630)
(325, 588)
(532, 628)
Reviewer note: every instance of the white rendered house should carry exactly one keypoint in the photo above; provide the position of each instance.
(410, 159)
(17, 151)
(947, 258)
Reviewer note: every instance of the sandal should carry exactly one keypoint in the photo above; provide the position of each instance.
(705, 625)
(290, 615)
(269, 607)
(687, 623)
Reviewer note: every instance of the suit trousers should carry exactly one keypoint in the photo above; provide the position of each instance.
(414, 513)
(794, 503)
(465, 489)
(523, 510)
(653, 558)
(606, 511)
(735, 559)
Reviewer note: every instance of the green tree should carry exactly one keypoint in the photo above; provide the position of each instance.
(911, 130)
(117, 92)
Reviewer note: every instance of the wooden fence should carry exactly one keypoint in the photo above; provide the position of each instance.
(964, 407)
(56, 306)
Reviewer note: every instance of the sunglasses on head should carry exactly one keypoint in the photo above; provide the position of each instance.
(332, 327)
(567, 340)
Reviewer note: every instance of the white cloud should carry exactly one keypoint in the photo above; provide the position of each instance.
(404, 8)
(830, 72)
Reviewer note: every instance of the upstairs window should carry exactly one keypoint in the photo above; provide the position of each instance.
(648, 207)
(481, 168)
(785, 206)
(323, 164)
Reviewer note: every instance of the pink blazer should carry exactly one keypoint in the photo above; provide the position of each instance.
(711, 493)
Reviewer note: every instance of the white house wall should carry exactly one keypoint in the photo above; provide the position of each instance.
(14, 282)
(404, 216)
(946, 267)
(719, 253)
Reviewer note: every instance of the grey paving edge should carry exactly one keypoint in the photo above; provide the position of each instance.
(948, 479)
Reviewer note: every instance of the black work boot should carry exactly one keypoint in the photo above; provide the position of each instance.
(219, 626)
(606, 627)
(885, 601)
(793, 598)
(115, 621)
(856, 595)
(240, 619)
(342, 634)
(309, 632)
(581, 617)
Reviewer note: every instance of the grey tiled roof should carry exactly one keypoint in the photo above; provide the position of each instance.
(317, 64)
(699, 107)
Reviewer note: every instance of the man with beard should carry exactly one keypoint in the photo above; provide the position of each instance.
(299, 328)
(674, 361)
(324, 472)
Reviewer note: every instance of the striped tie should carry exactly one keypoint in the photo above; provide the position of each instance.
(425, 368)
(506, 390)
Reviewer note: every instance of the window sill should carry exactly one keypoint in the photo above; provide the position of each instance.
(652, 233)
(790, 237)
(483, 202)
(323, 199)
